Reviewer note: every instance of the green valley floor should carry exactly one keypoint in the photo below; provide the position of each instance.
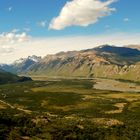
(69, 109)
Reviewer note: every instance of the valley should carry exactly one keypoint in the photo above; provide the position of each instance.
(116, 85)
(68, 108)
(76, 95)
(69, 70)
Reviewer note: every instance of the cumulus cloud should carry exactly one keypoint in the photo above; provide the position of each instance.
(15, 30)
(81, 13)
(10, 41)
(13, 37)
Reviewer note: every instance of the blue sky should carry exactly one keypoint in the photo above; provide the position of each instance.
(41, 27)
(27, 13)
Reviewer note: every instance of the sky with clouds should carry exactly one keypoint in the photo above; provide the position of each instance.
(40, 27)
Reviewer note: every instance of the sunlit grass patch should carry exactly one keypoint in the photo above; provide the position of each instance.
(120, 107)
(80, 105)
(2, 106)
(106, 122)
(127, 96)
(134, 106)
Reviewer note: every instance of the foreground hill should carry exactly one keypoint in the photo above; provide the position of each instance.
(103, 61)
(6, 77)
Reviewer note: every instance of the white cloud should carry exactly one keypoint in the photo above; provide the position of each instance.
(12, 37)
(81, 13)
(6, 50)
(15, 30)
(11, 48)
(126, 19)
(42, 23)
(9, 43)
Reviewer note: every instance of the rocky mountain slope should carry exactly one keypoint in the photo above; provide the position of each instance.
(21, 65)
(103, 61)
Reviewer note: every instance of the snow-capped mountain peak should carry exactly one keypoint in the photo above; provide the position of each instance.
(33, 58)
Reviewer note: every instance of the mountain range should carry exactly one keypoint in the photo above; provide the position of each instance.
(23, 64)
(103, 61)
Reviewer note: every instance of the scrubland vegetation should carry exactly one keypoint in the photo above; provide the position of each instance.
(69, 110)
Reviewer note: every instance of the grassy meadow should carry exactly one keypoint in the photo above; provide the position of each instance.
(70, 109)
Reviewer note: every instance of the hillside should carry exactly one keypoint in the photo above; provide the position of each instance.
(23, 64)
(104, 61)
(134, 46)
(6, 77)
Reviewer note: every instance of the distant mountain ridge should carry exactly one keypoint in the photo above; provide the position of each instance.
(21, 65)
(103, 61)
(121, 51)
(134, 46)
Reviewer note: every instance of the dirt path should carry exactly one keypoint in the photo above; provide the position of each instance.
(7, 104)
(18, 108)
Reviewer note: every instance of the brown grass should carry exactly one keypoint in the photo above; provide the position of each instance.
(120, 107)
(106, 121)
